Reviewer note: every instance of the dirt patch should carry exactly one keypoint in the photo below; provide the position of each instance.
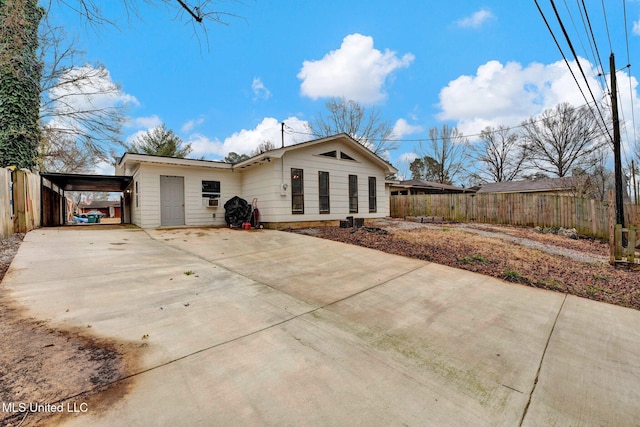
(57, 369)
(520, 255)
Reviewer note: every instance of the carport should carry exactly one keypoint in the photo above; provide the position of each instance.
(53, 203)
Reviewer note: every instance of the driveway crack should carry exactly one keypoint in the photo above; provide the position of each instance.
(544, 352)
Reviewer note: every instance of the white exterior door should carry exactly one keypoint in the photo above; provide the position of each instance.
(171, 200)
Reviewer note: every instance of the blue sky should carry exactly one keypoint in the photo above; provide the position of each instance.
(465, 63)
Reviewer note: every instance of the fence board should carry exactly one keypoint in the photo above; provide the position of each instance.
(589, 217)
(19, 201)
(6, 200)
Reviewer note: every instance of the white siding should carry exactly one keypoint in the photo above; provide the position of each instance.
(264, 182)
(196, 214)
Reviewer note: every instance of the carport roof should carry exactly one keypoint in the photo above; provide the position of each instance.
(82, 182)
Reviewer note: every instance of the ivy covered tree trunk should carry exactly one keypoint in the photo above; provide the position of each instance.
(20, 73)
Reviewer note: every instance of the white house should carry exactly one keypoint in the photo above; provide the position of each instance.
(325, 179)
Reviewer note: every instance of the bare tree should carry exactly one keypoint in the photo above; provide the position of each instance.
(364, 125)
(78, 103)
(499, 154)
(263, 148)
(197, 12)
(447, 147)
(562, 138)
(59, 152)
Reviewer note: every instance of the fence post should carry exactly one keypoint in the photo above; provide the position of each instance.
(618, 242)
(631, 244)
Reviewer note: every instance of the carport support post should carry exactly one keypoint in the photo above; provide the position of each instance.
(64, 208)
(41, 201)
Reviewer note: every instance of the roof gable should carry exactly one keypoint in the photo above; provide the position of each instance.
(342, 138)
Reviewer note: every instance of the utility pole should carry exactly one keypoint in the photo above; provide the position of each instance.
(616, 144)
(633, 180)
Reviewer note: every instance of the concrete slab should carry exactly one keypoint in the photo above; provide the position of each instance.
(313, 270)
(275, 328)
(591, 370)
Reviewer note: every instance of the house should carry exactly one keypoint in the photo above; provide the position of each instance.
(420, 186)
(325, 179)
(109, 208)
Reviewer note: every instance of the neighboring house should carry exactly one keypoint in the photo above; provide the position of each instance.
(420, 186)
(109, 208)
(326, 179)
(569, 186)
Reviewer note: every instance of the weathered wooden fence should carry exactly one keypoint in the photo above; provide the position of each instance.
(589, 217)
(623, 245)
(19, 201)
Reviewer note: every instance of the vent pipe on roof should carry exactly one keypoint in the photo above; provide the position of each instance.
(282, 132)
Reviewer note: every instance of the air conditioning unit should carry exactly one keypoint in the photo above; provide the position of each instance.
(213, 203)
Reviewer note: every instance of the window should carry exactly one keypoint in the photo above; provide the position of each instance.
(297, 191)
(211, 187)
(345, 156)
(210, 193)
(353, 194)
(323, 191)
(137, 191)
(373, 205)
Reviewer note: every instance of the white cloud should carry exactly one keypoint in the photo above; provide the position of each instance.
(355, 71)
(407, 157)
(636, 28)
(191, 124)
(144, 122)
(87, 87)
(246, 140)
(80, 90)
(129, 140)
(476, 20)
(508, 94)
(259, 89)
(104, 168)
(402, 128)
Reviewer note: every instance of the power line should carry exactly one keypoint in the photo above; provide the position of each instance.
(465, 136)
(606, 25)
(575, 27)
(592, 41)
(575, 56)
(577, 62)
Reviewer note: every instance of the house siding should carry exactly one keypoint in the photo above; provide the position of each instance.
(264, 182)
(262, 179)
(147, 215)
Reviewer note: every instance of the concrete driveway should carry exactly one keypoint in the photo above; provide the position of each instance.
(273, 328)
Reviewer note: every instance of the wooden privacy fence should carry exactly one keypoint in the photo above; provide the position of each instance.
(588, 216)
(19, 201)
(623, 245)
